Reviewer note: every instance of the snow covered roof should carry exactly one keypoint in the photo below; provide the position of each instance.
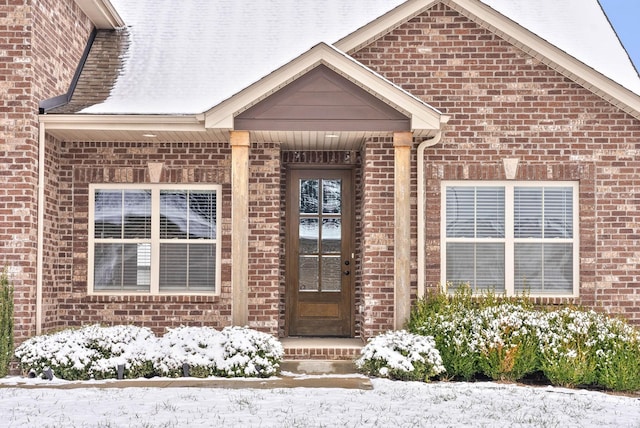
(187, 57)
(579, 28)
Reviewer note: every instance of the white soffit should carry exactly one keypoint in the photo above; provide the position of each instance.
(102, 13)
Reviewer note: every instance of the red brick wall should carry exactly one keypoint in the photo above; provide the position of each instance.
(264, 238)
(40, 44)
(84, 163)
(505, 104)
(377, 251)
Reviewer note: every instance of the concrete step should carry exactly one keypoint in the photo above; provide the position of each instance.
(318, 367)
(320, 348)
(320, 356)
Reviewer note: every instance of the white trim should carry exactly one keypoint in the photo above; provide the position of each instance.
(421, 212)
(509, 239)
(384, 24)
(40, 227)
(423, 116)
(101, 13)
(124, 122)
(155, 240)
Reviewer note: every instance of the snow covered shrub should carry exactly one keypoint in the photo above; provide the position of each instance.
(487, 334)
(124, 345)
(199, 347)
(91, 352)
(617, 355)
(506, 341)
(249, 353)
(587, 348)
(567, 347)
(453, 335)
(6, 323)
(95, 352)
(401, 355)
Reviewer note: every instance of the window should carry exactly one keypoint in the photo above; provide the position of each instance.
(511, 237)
(154, 239)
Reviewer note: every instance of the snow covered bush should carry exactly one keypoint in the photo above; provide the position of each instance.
(90, 352)
(584, 348)
(508, 339)
(566, 347)
(199, 347)
(453, 335)
(401, 355)
(249, 353)
(233, 352)
(95, 352)
(505, 338)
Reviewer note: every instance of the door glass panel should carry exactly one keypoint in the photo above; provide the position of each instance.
(331, 234)
(331, 273)
(331, 196)
(320, 235)
(309, 199)
(308, 273)
(308, 236)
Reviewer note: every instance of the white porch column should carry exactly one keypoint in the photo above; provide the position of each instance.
(239, 227)
(402, 143)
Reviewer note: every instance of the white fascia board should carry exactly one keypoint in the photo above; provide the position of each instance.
(123, 122)
(422, 115)
(383, 25)
(549, 54)
(102, 13)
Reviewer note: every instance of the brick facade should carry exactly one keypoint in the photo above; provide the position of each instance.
(504, 103)
(41, 43)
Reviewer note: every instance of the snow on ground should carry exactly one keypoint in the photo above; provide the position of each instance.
(389, 404)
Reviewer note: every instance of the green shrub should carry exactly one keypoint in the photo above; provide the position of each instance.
(507, 339)
(567, 347)
(6, 323)
(489, 334)
(453, 336)
(617, 356)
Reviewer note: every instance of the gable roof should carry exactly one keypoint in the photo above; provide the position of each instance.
(422, 116)
(197, 58)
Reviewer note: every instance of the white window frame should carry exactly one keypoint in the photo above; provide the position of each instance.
(154, 288)
(509, 239)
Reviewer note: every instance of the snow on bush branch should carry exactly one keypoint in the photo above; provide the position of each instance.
(401, 355)
(95, 352)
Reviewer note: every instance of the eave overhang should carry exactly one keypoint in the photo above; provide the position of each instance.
(102, 13)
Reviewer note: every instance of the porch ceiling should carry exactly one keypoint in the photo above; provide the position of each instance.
(289, 140)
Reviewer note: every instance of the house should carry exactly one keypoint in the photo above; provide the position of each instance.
(311, 168)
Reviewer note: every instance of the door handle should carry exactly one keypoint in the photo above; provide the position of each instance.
(346, 272)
